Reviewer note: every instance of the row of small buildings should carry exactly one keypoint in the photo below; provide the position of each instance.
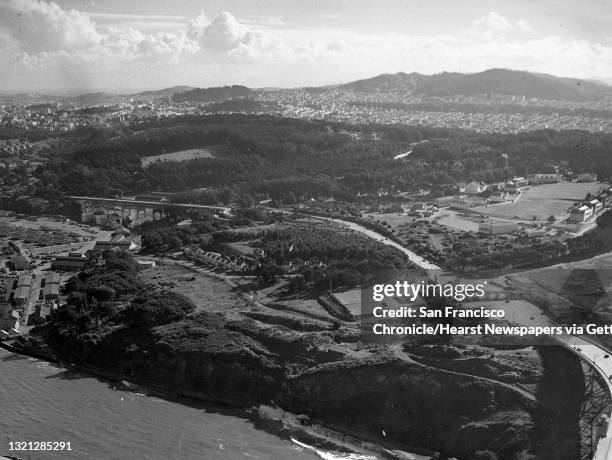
(502, 227)
(475, 187)
(28, 300)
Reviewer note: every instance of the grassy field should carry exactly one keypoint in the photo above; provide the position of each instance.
(396, 220)
(457, 220)
(207, 293)
(540, 202)
(182, 155)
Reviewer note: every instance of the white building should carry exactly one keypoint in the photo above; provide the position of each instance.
(538, 179)
(475, 187)
(580, 214)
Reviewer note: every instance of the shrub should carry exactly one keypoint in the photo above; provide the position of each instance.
(158, 308)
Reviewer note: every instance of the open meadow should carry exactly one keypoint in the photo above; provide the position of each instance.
(182, 155)
(540, 202)
(206, 292)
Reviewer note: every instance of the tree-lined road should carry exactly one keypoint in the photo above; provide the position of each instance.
(412, 256)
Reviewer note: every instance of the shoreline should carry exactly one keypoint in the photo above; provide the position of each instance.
(338, 436)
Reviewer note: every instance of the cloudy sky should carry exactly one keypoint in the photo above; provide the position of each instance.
(126, 45)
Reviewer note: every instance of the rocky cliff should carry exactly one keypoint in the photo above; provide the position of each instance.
(367, 391)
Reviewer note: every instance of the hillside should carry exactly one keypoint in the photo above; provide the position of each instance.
(28, 98)
(215, 94)
(91, 99)
(399, 82)
(163, 93)
(500, 81)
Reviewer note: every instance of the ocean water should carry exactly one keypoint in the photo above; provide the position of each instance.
(43, 402)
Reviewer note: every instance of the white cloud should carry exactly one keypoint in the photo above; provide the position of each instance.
(226, 37)
(42, 45)
(264, 21)
(225, 33)
(137, 17)
(196, 26)
(44, 26)
(493, 25)
(522, 25)
(493, 21)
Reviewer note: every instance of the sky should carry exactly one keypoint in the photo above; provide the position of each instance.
(75, 46)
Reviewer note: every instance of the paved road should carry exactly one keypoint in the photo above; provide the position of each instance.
(414, 258)
(528, 314)
(602, 362)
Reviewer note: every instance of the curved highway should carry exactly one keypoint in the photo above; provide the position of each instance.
(601, 360)
(412, 256)
(592, 353)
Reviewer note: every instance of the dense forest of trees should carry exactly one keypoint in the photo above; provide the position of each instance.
(108, 289)
(341, 249)
(291, 160)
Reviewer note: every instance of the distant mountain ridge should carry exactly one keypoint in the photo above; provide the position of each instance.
(386, 82)
(215, 94)
(28, 98)
(445, 84)
(500, 81)
(177, 93)
(162, 93)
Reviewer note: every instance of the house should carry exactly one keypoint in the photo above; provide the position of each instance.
(50, 284)
(586, 177)
(579, 214)
(390, 207)
(420, 210)
(69, 263)
(515, 183)
(12, 321)
(475, 187)
(520, 182)
(535, 232)
(595, 205)
(539, 179)
(184, 223)
(460, 201)
(100, 219)
(499, 186)
(19, 263)
(43, 310)
(18, 289)
(510, 187)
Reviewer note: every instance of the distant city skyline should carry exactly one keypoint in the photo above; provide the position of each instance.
(75, 46)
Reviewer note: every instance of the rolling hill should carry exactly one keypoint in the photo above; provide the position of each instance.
(162, 93)
(499, 81)
(215, 94)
